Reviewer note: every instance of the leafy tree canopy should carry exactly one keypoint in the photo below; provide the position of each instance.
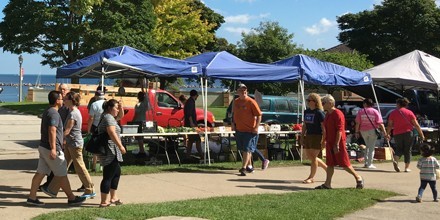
(392, 29)
(265, 44)
(180, 31)
(62, 36)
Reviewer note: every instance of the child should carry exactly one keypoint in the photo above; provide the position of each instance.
(427, 165)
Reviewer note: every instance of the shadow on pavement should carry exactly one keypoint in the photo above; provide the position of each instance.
(19, 164)
(30, 143)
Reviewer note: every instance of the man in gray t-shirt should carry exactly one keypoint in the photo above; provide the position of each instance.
(51, 156)
(51, 119)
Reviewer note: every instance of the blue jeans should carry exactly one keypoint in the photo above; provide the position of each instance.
(422, 187)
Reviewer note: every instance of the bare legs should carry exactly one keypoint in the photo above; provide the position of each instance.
(331, 170)
(315, 162)
(106, 201)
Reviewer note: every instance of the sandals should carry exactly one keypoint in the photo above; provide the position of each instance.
(360, 184)
(308, 181)
(104, 205)
(323, 186)
(117, 202)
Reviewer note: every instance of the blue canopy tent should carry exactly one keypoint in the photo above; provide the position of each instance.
(223, 65)
(317, 72)
(127, 62)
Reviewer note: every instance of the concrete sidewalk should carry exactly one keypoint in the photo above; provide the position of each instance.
(19, 136)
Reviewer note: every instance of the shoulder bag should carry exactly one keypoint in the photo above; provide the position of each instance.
(97, 143)
(376, 130)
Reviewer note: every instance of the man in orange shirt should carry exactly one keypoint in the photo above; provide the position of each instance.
(247, 118)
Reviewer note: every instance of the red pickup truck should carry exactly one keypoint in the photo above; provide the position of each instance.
(166, 110)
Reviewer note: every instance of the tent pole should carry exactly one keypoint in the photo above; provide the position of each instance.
(301, 83)
(375, 97)
(206, 123)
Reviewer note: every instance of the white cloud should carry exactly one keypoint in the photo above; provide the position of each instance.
(238, 30)
(323, 26)
(244, 18)
(241, 19)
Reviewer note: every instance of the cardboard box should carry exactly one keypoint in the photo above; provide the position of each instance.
(382, 153)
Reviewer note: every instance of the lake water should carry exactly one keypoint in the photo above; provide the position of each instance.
(10, 93)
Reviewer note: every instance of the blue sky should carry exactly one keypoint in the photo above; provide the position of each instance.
(313, 23)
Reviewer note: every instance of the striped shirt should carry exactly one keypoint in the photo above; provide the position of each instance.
(109, 120)
(427, 166)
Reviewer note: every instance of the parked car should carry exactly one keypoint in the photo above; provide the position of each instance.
(275, 109)
(165, 109)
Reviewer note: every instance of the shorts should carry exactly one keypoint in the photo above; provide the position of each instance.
(312, 141)
(46, 165)
(194, 138)
(340, 159)
(246, 141)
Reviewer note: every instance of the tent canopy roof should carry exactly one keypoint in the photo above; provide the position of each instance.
(318, 72)
(127, 62)
(416, 69)
(223, 65)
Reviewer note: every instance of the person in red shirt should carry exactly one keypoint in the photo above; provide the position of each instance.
(403, 122)
(336, 152)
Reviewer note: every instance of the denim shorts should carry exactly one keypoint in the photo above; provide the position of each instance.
(246, 141)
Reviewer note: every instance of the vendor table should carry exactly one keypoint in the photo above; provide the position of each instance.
(280, 136)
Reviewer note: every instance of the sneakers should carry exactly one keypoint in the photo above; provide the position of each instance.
(396, 166)
(48, 192)
(78, 200)
(81, 189)
(407, 170)
(88, 195)
(371, 167)
(418, 199)
(35, 202)
(265, 164)
(249, 169)
(242, 172)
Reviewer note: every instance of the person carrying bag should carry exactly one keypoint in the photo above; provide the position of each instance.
(368, 130)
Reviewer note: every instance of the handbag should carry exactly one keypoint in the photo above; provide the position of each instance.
(97, 143)
(376, 130)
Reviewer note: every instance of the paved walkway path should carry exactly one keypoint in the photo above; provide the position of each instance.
(19, 136)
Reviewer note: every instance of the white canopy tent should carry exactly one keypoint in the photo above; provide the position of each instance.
(414, 70)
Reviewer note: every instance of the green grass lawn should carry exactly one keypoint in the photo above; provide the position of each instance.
(33, 108)
(309, 204)
(36, 108)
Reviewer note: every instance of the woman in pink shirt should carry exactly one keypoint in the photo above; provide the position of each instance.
(367, 120)
(403, 122)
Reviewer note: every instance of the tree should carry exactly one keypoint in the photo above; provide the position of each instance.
(265, 44)
(180, 30)
(393, 29)
(61, 36)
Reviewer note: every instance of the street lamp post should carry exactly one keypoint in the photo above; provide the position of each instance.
(20, 85)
